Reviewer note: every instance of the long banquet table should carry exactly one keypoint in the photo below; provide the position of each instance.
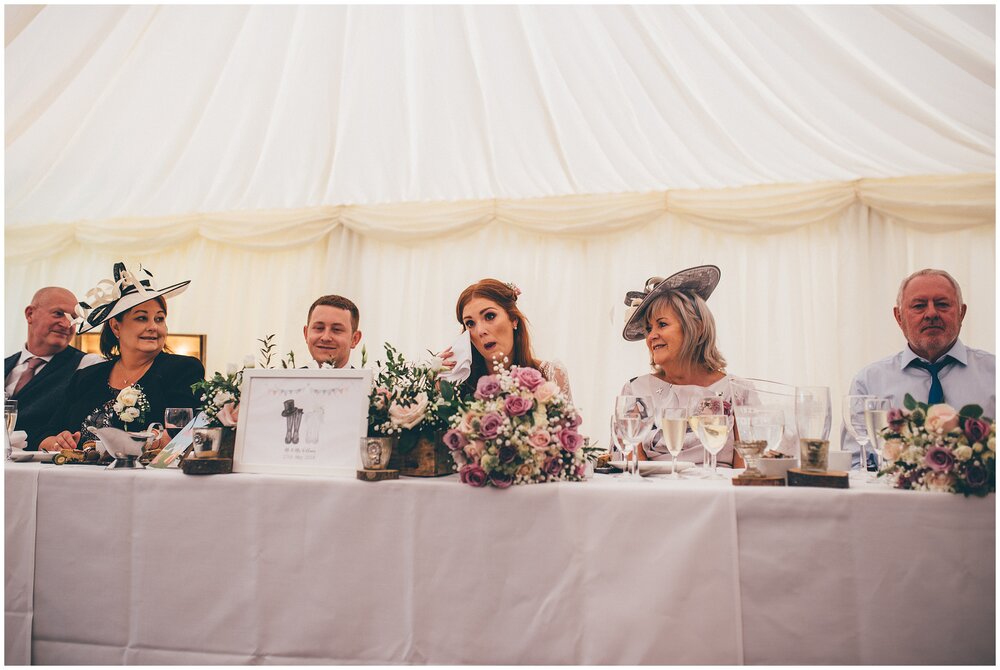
(155, 567)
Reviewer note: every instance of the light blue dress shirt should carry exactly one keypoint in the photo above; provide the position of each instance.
(970, 380)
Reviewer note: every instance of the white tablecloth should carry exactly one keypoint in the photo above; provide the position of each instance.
(158, 567)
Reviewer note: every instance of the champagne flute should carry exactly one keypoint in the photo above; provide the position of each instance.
(876, 420)
(673, 422)
(633, 417)
(175, 418)
(854, 421)
(713, 424)
(616, 448)
(10, 415)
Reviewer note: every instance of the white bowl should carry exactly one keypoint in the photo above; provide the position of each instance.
(839, 460)
(776, 467)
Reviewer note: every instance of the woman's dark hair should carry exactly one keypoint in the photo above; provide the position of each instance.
(109, 341)
(504, 296)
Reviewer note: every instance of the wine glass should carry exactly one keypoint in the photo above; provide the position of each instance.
(634, 418)
(854, 421)
(616, 448)
(712, 423)
(673, 422)
(175, 418)
(876, 420)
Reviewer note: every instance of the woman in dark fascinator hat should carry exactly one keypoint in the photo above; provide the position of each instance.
(133, 312)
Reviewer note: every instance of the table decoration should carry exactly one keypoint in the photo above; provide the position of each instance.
(936, 448)
(517, 429)
(409, 407)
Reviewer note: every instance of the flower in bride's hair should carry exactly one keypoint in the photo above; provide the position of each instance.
(513, 287)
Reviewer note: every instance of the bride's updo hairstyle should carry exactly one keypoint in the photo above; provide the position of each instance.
(504, 295)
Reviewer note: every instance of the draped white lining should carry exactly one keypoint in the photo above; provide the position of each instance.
(272, 154)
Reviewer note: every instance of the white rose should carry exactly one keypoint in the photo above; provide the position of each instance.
(130, 414)
(991, 443)
(410, 415)
(128, 397)
(963, 453)
(221, 398)
(118, 407)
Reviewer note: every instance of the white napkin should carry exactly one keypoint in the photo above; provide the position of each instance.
(462, 350)
(19, 439)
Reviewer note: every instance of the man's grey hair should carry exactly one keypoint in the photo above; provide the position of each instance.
(928, 271)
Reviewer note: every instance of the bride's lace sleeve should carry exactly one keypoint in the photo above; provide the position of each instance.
(555, 371)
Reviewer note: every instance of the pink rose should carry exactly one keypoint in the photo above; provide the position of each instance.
(501, 480)
(459, 458)
(515, 405)
(575, 420)
(941, 418)
(489, 425)
(454, 440)
(976, 430)
(474, 450)
(896, 419)
(570, 439)
(465, 425)
(552, 466)
(581, 470)
(892, 449)
(939, 481)
(975, 476)
(939, 459)
(539, 440)
(506, 454)
(546, 392)
(229, 415)
(524, 470)
(488, 387)
(473, 475)
(528, 378)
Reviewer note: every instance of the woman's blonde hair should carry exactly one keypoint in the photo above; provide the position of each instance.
(697, 324)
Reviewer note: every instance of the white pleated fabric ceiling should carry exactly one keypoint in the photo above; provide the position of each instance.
(396, 154)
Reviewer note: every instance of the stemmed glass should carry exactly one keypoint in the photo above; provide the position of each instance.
(854, 421)
(759, 424)
(673, 422)
(175, 418)
(617, 448)
(712, 423)
(10, 419)
(876, 420)
(633, 418)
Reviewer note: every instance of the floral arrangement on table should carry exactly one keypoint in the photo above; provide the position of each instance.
(130, 407)
(406, 401)
(935, 448)
(220, 398)
(518, 429)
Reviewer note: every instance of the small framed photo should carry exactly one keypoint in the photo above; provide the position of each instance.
(306, 422)
(170, 455)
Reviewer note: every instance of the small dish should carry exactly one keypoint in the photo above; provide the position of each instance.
(776, 467)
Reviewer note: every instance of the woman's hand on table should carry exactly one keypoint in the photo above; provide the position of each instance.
(60, 441)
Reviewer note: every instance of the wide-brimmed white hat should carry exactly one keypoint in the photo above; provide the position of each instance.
(700, 280)
(112, 297)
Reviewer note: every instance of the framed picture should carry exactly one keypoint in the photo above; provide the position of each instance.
(307, 422)
(170, 455)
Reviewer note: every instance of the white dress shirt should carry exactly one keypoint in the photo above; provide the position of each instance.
(22, 364)
(970, 380)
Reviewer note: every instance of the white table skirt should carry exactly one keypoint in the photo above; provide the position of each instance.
(155, 567)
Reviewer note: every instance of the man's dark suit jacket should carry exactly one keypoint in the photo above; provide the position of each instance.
(46, 391)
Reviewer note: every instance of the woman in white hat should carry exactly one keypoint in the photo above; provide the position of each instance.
(134, 314)
(671, 315)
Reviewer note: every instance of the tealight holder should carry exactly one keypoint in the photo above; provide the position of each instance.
(814, 454)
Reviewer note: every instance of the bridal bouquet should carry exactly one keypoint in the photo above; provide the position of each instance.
(938, 449)
(519, 429)
(406, 402)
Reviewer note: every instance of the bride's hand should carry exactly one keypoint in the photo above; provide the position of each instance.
(447, 358)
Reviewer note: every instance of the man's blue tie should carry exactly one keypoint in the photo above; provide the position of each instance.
(937, 393)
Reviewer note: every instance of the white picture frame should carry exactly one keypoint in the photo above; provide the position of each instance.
(300, 421)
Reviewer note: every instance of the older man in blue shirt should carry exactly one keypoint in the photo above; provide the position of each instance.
(935, 366)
